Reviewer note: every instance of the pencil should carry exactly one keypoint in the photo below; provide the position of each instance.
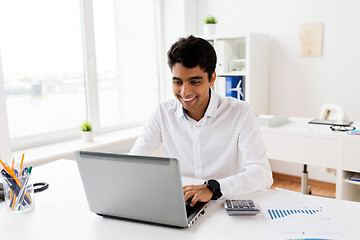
(2, 163)
(13, 203)
(22, 160)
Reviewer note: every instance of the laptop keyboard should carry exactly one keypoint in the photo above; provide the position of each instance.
(190, 210)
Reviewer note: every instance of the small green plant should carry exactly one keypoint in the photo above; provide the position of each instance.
(86, 126)
(210, 20)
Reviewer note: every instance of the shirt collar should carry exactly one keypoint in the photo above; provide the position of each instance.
(180, 111)
(213, 104)
(210, 111)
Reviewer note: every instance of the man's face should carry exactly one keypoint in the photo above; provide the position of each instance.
(191, 88)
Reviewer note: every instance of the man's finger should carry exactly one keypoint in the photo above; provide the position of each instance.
(188, 195)
(194, 199)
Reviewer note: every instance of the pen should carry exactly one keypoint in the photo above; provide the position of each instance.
(21, 195)
(12, 195)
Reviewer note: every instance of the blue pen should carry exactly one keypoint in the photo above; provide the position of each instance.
(24, 171)
(20, 199)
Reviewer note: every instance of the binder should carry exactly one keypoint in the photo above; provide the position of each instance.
(235, 87)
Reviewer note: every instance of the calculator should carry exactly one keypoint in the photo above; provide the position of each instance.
(241, 207)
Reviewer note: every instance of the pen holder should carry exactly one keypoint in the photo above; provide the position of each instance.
(19, 198)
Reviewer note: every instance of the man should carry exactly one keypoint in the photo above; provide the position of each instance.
(213, 137)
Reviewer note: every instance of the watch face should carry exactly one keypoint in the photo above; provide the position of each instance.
(214, 184)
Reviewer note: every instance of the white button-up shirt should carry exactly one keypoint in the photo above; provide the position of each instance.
(225, 144)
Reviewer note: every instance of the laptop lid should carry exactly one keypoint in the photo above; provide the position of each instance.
(134, 187)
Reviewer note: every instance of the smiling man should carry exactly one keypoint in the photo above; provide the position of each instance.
(213, 137)
(191, 87)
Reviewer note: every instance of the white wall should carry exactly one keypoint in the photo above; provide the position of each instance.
(298, 86)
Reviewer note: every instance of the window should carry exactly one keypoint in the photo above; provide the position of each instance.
(42, 65)
(126, 53)
(42, 51)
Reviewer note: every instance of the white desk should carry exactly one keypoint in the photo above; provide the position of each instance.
(61, 212)
(313, 144)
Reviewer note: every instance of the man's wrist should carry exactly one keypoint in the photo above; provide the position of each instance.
(214, 187)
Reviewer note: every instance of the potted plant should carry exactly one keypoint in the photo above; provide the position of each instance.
(86, 132)
(210, 25)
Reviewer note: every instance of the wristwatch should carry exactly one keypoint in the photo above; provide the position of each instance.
(214, 186)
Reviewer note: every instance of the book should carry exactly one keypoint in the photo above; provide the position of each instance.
(355, 177)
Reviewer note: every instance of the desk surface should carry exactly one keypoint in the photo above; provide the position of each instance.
(301, 126)
(61, 212)
(314, 144)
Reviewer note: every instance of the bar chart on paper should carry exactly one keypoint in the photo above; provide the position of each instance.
(302, 222)
(278, 213)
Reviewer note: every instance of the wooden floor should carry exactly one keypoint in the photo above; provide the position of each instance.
(293, 183)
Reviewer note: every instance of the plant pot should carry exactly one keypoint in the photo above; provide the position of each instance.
(87, 136)
(209, 29)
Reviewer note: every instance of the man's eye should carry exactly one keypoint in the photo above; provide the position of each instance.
(177, 82)
(195, 82)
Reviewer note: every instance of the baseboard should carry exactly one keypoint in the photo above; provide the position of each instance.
(297, 179)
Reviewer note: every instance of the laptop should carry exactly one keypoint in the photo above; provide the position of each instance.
(140, 188)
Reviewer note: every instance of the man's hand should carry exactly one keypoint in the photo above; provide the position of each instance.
(198, 193)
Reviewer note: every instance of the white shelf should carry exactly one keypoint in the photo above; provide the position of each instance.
(232, 74)
(244, 55)
(239, 60)
(346, 179)
(225, 36)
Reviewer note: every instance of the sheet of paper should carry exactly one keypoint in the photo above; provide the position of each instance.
(302, 222)
(311, 38)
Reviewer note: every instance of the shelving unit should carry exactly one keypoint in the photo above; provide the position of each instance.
(349, 190)
(244, 55)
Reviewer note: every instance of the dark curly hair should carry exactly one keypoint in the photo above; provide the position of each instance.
(191, 52)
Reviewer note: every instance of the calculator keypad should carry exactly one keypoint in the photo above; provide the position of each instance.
(241, 207)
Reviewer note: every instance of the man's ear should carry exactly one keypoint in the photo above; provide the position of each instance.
(213, 77)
